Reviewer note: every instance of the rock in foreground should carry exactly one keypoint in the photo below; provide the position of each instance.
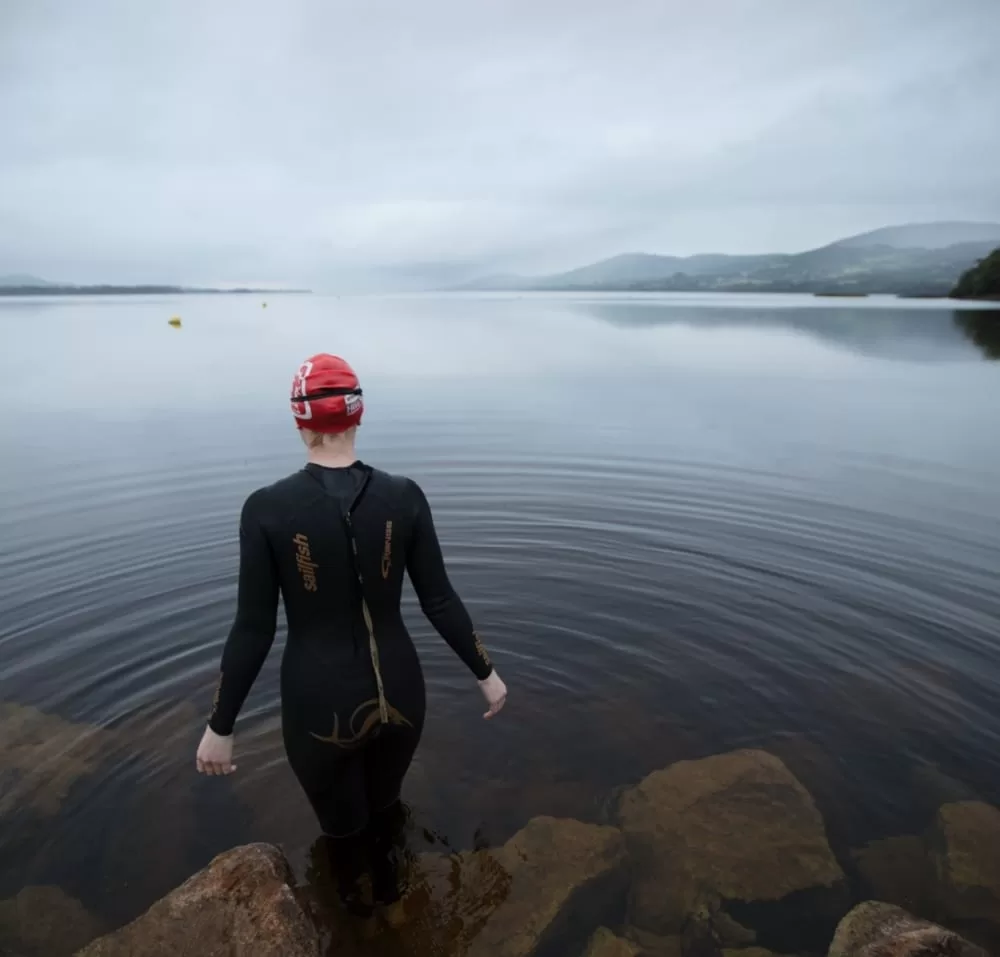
(737, 831)
(241, 905)
(967, 857)
(559, 869)
(874, 929)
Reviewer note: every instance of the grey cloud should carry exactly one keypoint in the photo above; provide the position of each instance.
(305, 142)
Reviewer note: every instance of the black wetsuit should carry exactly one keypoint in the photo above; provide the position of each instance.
(336, 542)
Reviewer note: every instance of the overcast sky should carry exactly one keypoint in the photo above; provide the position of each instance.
(216, 141)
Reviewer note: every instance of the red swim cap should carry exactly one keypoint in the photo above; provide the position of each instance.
(326, 396)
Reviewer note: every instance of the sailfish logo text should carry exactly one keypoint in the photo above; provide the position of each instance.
(481, 648)
(303, 559)
(387, 551)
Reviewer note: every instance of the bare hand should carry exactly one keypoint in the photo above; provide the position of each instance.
(495, 693)
(215, 754)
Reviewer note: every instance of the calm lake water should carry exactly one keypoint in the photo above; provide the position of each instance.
(683, 524)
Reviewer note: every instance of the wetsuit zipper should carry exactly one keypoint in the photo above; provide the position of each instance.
(383, 707)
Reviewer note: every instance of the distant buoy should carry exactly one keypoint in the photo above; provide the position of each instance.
(174, 321)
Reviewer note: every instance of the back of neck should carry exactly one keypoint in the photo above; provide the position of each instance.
(333, 457)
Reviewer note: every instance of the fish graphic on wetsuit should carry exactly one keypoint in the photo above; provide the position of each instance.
(371, 722)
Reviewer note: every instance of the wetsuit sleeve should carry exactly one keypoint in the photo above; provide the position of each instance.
(252, 632)
(438, 599)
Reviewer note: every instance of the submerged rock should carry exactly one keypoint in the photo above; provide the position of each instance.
(701, 939)
(450, 900)
(729, 932)
(899, 870)
(736, 831)
(831, 781)
(45, 921)
(606, 944)
(42, 756)
(649, 944)
(242, 903)
(542, 892)
(966, 843)
(559, 869)
(875, 929)
(750, 952)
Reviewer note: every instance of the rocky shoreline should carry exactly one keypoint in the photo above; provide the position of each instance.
(727, 856)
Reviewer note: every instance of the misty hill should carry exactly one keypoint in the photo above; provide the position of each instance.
(642, 267)
(21, 279)
(982, 281)
(882, 261)
(492, 283)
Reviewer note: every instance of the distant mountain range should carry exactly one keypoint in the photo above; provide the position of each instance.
(919, 259)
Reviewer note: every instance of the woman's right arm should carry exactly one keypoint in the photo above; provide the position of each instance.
(249, 641)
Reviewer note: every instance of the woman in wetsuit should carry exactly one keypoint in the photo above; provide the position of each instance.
(335, 538)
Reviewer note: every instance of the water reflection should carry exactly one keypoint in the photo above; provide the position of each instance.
(922, 334)
(982, 326)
